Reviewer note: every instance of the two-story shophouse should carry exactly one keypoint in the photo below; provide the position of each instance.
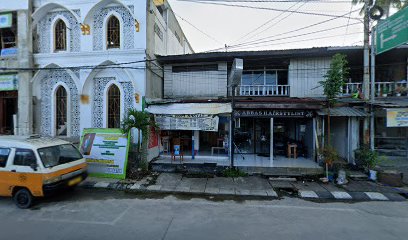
(15, 54)
(96, 60)
(276, 116)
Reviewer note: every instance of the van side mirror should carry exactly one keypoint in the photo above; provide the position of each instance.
(34, 166)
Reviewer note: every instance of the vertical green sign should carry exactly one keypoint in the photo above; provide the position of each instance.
(392, 31)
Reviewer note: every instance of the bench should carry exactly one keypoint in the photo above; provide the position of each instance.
(218, 150)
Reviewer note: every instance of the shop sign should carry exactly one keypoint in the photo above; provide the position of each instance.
(202, 122)
(6, 20)
(153, 138)
(397, 117)
(274, 113)
(8, 82)
(105, 151)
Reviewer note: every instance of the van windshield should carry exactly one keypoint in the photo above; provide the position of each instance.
(60, 154)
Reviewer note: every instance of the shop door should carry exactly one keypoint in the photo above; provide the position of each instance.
(8, 107)
(262, 136)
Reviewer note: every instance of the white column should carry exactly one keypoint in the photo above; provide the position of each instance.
(196, 140)
(271, 145)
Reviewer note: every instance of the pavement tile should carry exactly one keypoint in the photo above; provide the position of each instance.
(376, 196)
(196, 190)
(258, 193)
(242, 192)
(308, 186)
(271, 193)
(359, 196)
(182, 189)
(101, 185)
(395, 197)
(281, 184)
(227, 191)
(154, 187)
(324, 194)
(212, 190)
(136, 186)
(341, 195)
(167, 188)
(307, 194)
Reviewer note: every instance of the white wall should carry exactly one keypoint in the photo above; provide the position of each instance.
(305, 74)
(211, 84)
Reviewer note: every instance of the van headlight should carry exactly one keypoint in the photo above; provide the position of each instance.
(52, 180)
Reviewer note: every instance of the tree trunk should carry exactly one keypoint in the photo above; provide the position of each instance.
(138, 140)
(328, 127)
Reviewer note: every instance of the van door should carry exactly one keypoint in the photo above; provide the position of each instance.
(26, 171)
(4, 172)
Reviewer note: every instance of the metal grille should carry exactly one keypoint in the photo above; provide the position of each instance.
(113, 33)
(60, 36)
(61, 110)
(113, 107)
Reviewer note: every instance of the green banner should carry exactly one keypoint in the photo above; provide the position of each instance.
(392, 31)
(106, 152)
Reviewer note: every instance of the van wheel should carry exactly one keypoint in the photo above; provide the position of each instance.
(23, 198)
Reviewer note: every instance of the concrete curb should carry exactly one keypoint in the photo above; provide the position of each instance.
(139, 187)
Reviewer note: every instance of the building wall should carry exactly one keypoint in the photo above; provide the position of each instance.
(305, 74)
(23, 59)
(87, 86)
(202, 84)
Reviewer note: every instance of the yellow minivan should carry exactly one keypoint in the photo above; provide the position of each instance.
(32, 166)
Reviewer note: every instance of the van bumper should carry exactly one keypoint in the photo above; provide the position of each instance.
(50, 189)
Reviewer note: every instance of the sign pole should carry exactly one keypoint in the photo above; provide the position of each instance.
(372, 97)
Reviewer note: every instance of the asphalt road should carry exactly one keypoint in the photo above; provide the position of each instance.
(91, 214)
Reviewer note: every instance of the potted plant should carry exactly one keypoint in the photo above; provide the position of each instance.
(368, 159)
(400, 90)
(384, 91)
(330, 157)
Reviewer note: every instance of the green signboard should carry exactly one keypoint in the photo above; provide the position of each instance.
(106, 152)
(392, 32)
(8, 82)
(6, 20)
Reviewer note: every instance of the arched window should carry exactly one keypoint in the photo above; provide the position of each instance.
(113, 33)
(60, 36)
(113, 107)
(61, 111)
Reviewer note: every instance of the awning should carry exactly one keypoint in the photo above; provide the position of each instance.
(190, 108)
(343, 112)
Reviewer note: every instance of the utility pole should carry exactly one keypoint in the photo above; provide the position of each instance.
(366, 73)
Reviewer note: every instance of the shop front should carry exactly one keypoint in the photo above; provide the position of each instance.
(274, 138)
(8, 103)
(193, 131)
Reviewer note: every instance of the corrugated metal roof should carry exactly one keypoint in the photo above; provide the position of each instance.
(343, 112)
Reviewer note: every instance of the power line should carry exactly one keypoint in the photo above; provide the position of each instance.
(284, 33)
(265, 23)
(305, 40)
(294, 36)
(266, 8)
(206, 34)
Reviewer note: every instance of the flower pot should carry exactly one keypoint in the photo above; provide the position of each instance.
(372, 175)
(398, 94)
(384, 94)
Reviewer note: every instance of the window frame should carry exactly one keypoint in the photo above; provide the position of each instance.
(24, 150)
(6, 157)
(65, 35)
(118, 44)
(57, 105)
(116, 116)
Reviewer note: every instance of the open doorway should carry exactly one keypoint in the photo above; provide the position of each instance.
(8, 108)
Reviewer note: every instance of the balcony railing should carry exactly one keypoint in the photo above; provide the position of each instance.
(262, 90)
(381, 88)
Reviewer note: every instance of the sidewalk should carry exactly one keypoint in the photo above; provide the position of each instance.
(251, 187)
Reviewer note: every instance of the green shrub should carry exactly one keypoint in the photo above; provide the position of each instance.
(367, 158)
(233, 172)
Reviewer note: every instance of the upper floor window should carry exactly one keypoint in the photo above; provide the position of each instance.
(113, 107)
(8, 34)
(264, 77)
(113, 33)
(60, 36)
(61, 111)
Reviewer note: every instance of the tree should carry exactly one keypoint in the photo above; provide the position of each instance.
(139, 120)
(386, 5)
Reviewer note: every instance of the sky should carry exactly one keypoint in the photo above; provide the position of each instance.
(209, 26)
